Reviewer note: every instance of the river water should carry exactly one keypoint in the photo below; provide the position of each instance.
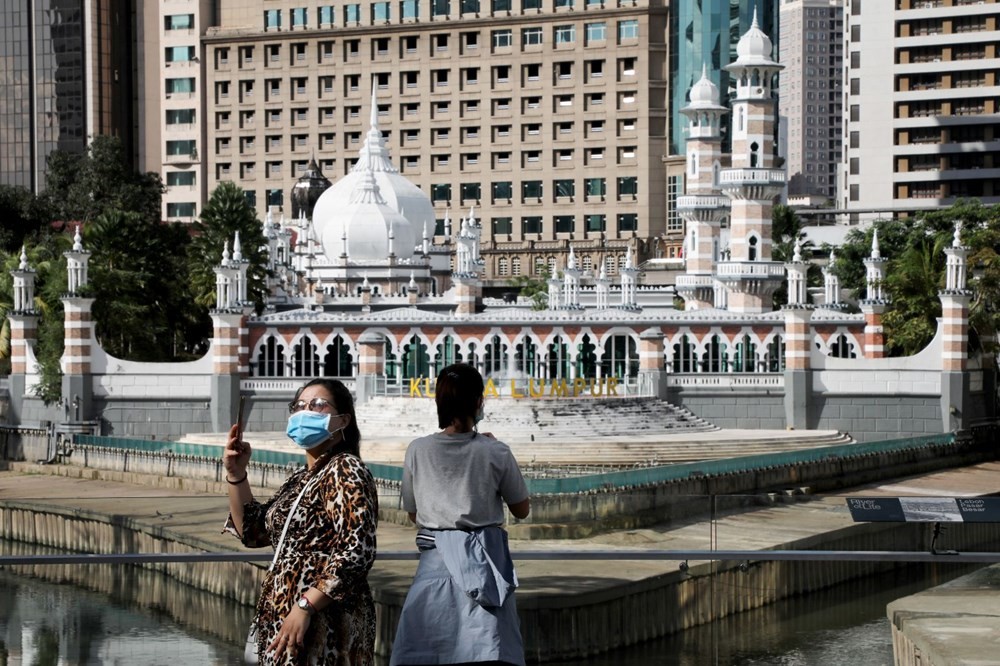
(110, 615)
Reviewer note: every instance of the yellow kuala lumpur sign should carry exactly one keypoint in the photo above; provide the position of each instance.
(421, 387)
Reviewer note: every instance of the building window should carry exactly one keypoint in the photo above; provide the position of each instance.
(440, 8)
(181, 147)
(565, 188)
(596, 32)
(409, 10)
(180, 116)
(595, 187)
(564, 34)
(180, 179)
(628, 30)
(596, 222)
(470, 191)
(469, 6)
(531, 36)
(441, 192)
(531, 4)
(503, 190)
(179, 22)
(531, 225)
(628, 186)
(503, 225)
(565, 224)
(501, 6)
(326, 14)
(380, 12)
(181, 209)
(352, 14)
(299, 19)
(272, 19)
(503, 39)
(628, 222)
(531, 189)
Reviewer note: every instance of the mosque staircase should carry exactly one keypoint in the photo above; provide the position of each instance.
(616, 432)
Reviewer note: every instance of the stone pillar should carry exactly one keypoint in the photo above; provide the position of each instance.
(652, 376)
(874, 332)
(467, 294)
(23, 334)
(371, 365)
(798, 375)
(77, 380)
(229, 359)
(955, 300)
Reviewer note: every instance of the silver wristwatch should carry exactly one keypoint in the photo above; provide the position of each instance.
(304, 604)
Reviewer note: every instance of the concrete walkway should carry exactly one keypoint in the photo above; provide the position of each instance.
(200, 512)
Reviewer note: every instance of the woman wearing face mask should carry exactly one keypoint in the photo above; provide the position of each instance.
(460, 608)
(315, 605)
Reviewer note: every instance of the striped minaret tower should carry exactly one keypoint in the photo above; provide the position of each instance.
(955, 299)
(874, 304)
(23, 333)
(798, 342)
(230, 347)
(753, 181)
(371, 365)
(703, 207)
(77, 384)
(571, 283)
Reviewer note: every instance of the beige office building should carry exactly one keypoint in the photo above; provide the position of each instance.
(546, 117)
(920, 115)
(809, 94)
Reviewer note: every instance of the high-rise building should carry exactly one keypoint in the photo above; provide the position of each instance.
(920, 114)
(811, 50)
(706, 34)
(67, 72)
(546, 118)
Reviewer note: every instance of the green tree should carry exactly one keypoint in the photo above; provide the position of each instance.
(786, 230)
(143, 308)
(23, 214)
(226, 213)
(534, 288)
(82, 187)
(913, 280)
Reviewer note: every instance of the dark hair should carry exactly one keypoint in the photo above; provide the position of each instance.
(344, 402)
(458, 393)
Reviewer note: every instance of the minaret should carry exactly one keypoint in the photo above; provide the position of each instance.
(955, 300)
(230, 344)
(571, 283)
(601, 288)
(703, 207)
(23, 334)
(874, 303)
(752, 182)
(831, 285)
(78, 331)
(798, 343)
(629, 278)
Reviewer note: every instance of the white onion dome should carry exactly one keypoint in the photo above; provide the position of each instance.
(372, 227)
(754, 47)
(413, 208)
(704, 93)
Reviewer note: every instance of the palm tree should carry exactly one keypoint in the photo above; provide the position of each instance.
(226, 213)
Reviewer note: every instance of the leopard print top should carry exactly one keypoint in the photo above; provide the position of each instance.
(330, 545)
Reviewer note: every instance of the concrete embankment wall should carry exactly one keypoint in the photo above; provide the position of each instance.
(555, 626)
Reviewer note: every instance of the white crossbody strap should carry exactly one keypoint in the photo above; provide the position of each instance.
(284, 530)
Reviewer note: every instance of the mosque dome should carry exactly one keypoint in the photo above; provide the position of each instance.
(704, 93)
(754, 47)
(307, 190)
(412, 208)
(369, 226)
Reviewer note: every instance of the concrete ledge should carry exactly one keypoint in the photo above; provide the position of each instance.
(955, 623)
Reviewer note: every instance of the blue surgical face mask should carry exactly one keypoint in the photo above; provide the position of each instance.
(307, 429)
(480, 415)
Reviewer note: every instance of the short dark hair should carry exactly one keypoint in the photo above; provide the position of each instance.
(458, 393)
(344, 402)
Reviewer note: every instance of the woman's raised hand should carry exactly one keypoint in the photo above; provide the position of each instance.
(236, 455)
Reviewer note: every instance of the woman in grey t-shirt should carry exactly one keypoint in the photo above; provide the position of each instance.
(460, 608)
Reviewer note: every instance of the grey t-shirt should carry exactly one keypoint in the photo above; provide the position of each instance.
(460, 481)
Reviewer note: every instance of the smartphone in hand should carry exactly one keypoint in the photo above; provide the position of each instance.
(239, 419)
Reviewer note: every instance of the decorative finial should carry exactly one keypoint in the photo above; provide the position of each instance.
(225, 253)
(413, 282)
(23, 266)
(753, 24)
(956, 240)
(77, 240)
(797, 254)
(571, 262)
(875, 252)
(237, 248)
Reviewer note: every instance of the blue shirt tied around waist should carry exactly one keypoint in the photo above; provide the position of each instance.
(461, 606)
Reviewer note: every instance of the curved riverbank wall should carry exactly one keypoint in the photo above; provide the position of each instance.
(555, 626)
(579, 506)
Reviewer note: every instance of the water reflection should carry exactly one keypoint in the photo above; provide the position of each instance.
(115, 614)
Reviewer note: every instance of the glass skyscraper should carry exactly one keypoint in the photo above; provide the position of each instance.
(56, 93)
(705, 33)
